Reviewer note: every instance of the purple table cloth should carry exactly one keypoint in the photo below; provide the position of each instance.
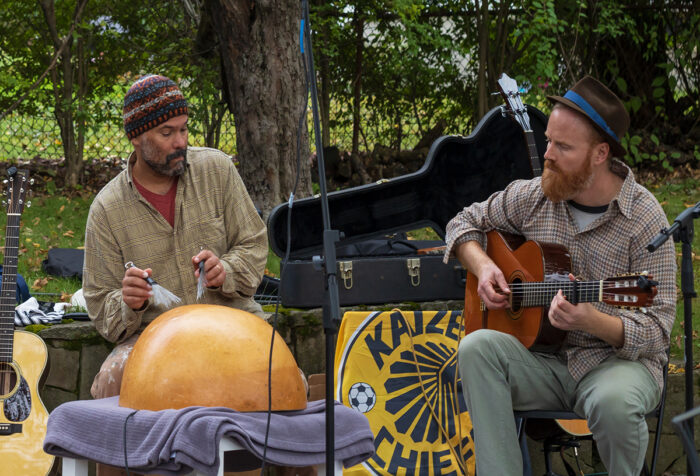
(175, 442)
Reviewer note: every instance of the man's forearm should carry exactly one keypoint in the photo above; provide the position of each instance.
(472, 256)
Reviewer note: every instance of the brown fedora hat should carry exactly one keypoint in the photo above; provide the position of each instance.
(591, 98)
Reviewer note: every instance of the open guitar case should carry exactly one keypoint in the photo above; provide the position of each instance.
(376, 267)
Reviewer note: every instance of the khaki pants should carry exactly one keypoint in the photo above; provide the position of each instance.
(499, 375)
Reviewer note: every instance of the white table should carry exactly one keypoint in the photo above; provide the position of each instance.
(79, 467)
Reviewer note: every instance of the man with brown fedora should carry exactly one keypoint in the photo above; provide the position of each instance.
(609, 367)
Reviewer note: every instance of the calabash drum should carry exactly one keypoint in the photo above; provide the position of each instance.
(206, 355)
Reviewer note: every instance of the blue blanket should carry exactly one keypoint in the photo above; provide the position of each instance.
(173, 442)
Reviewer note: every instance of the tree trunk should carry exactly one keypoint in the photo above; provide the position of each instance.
(359, 24)
(323, 35)
(63, 95)
(483, 31)
(259, 44)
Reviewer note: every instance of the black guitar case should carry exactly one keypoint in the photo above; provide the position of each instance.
(457, 172)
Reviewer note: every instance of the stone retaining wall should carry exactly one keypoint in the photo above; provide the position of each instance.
(76, 352)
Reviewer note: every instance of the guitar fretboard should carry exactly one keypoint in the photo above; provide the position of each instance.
(534, 155)
(540, 294)
(8, 296)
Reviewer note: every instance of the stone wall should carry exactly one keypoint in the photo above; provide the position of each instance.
(76, 352)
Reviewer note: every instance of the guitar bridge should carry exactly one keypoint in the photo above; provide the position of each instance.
(10, 428)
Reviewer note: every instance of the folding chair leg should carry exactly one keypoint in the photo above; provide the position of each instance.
(527, 466)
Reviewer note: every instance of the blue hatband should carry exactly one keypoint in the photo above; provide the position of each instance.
(592, 113)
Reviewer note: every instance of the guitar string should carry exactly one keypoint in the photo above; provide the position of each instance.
(539, 293)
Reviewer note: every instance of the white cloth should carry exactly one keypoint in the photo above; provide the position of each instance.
(32, 311)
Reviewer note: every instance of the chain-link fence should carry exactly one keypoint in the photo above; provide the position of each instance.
(26, 137)
(400, 104)
(29, 136)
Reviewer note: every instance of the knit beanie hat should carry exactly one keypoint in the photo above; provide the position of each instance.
(150, 101)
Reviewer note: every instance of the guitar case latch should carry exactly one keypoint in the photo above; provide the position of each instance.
(413, 265)
(346, 273)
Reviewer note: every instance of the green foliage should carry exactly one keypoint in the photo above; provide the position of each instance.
(53, 221)
(676, 196)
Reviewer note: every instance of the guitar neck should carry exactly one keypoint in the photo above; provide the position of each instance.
(8, 297)
(532, 151)
(541, 294)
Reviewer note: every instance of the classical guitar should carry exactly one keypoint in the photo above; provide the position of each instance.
(535, 272)
(23, 358)
(515, 108)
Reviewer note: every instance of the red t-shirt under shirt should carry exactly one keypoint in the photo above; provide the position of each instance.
(165, 204)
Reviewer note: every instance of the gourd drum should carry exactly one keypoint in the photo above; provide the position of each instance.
(206, 355)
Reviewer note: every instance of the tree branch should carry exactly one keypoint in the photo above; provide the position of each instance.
(51, 66)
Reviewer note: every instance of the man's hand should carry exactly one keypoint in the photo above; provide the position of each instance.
(493, 288)
(569, 317)
(135, 289)
(490, 277)
(214, 271)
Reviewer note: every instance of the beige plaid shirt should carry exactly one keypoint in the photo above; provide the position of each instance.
(212, 211)
(615, 243)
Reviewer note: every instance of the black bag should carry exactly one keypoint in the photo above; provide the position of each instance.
(457, 172)
(65, 262)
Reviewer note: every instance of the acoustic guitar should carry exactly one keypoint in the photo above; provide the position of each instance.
(535, 272)
(23, 358)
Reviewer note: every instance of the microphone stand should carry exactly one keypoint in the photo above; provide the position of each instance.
(327, 262)
(682, 231)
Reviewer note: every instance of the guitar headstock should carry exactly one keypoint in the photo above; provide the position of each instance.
(630, 290)
(514, 107)
(17, 189)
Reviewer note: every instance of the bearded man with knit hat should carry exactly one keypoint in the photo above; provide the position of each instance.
(172, 207)
(609, 369)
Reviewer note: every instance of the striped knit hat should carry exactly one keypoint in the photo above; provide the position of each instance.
(150, 101)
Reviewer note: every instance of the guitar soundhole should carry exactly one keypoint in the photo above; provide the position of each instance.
(8, 379)
(516, 300)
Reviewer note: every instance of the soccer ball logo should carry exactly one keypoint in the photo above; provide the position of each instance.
(362, 397)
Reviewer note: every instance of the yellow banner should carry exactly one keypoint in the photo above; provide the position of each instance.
(400, 370)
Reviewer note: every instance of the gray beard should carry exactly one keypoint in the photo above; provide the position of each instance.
(147, 152)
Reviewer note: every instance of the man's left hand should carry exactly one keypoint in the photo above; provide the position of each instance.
(214, 271)
(569, 317)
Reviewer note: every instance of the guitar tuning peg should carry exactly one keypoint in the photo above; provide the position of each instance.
(4, 203)
(29, 204)
(31, 181)
(5, 181)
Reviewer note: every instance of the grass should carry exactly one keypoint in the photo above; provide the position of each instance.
(676, 196)
(50, 222)
(55, 221)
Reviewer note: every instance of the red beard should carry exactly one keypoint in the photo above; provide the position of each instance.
(558, 185)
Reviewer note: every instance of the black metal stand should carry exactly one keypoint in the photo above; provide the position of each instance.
(682, 231)
(327, 262)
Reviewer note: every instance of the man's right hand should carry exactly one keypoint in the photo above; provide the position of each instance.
(492, 288)
(135, 288)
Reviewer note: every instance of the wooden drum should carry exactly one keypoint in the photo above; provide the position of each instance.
(206, 355)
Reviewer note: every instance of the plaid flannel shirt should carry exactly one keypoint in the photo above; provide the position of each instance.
(212, 211)
(615, 243)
